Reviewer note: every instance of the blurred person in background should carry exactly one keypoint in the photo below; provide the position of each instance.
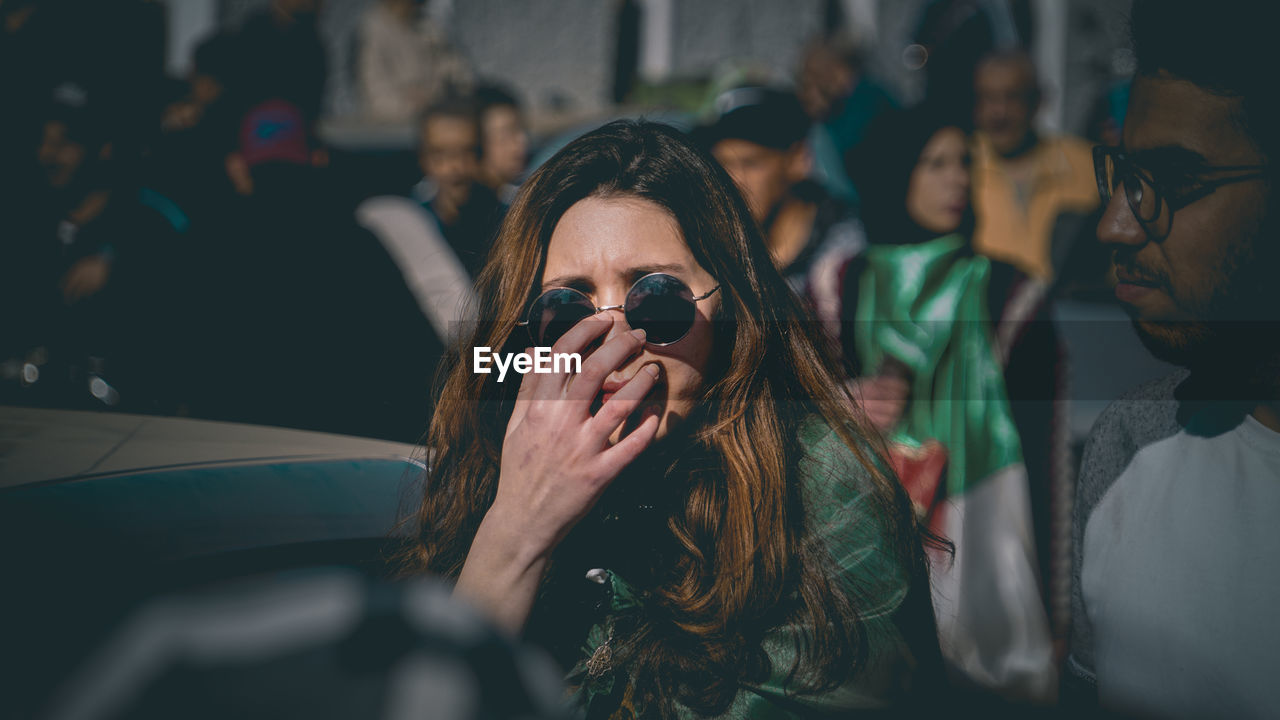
(279, 55)
(21, 43)
(439, 237)
(212, 69)
(60, 247)
(840, 100)
(1174, 596)
(953, 35)
(44, 43)
(185, 177)
(464, 209)
(1033, 192)
(950, 347)
(79, 271)
(184, 195)
(504, 141)
(700, 525)
(758, 136)
(405, 61)
(308, 323)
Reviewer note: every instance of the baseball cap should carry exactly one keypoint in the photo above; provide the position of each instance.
(765, 116)
(274, 131)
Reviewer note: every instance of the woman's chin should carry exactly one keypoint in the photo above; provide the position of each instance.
(636, 419)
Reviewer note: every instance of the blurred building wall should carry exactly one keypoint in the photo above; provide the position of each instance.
(762, 34)
(559, 54)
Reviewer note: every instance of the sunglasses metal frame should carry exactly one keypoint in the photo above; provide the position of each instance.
(597, 309)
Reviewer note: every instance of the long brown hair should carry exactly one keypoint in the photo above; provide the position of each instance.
(744, 558)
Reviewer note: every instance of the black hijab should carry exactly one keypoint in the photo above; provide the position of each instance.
(881, 166)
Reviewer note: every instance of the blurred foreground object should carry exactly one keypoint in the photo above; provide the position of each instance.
(314, 644)
(101, 510)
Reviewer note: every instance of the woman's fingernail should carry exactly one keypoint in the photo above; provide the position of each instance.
(652, 369)
(638, 333)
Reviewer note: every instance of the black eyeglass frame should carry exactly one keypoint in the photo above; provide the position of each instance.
(597, 309)
(1125, 168)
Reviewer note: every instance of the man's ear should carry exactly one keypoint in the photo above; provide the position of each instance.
(238, 173)
(799, 162)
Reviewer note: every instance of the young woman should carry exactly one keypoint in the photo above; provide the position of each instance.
(953, 348)
(695, 522)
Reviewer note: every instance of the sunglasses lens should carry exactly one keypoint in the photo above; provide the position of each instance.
(554, 312)
(662, 306)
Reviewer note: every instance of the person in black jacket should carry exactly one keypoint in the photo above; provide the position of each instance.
(309, 322)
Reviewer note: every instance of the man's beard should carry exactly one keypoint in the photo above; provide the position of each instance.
(1238, 339)
(1184, 344)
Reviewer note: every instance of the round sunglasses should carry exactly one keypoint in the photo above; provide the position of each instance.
(660, 304)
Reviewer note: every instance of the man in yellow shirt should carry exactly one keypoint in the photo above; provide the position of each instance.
(1033, 194)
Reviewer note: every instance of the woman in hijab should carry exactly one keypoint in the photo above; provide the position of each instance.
(942, 340)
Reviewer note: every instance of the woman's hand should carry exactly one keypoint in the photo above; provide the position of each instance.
(556, 462)
(556, 458)
(86, 277)
(883, 398)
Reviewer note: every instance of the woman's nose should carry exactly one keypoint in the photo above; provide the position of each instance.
(620, 324)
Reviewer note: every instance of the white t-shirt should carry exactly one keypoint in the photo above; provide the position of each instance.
(1181, 578)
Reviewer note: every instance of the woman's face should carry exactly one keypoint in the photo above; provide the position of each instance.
(938, 193)
(601, 246)
(506, 146)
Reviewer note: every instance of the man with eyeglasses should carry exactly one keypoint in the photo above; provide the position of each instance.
(1174, 591)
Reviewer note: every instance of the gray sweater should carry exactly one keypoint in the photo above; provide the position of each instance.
(1143, 416)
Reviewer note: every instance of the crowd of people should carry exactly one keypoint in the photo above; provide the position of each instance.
(191, 247)
(815, 460)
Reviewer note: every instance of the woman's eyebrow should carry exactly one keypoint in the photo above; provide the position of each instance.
(629, 274)
(569, 281)
(641, 270)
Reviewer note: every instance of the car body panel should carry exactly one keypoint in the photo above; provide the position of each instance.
(100, 511)
(38, 445)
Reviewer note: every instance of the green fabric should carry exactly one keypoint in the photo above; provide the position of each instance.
(925, 305)
(843, 517)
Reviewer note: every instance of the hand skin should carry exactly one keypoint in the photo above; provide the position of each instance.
(557, 461)
(883, 398)
(86, 277)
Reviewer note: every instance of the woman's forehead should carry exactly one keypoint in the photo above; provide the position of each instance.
(946, 138)
(607, 236)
